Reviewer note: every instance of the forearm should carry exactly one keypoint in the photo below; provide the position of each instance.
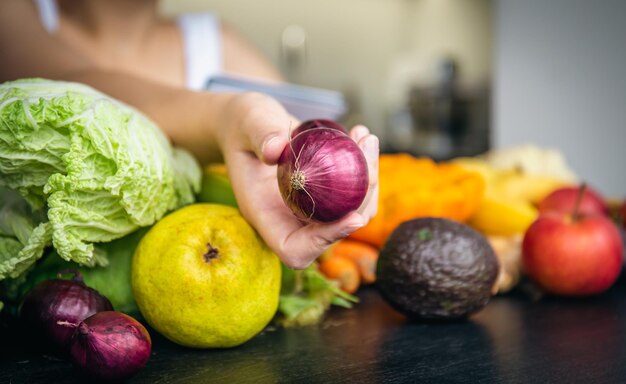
(190, 119)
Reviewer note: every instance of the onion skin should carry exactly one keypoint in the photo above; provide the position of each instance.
(322, 174)
(110, 346)
(54, 308)
(317, 123)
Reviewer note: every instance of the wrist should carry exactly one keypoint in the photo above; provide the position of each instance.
(225, 118)
(215, 124)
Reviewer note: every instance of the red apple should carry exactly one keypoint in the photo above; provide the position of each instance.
(564, 199)
(573, 255)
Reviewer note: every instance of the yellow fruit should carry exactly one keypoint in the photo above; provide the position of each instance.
(514, 185)
(203, 278)
(503, 217)
(477, 165)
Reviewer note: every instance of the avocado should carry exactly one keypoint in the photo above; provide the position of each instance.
(435, 268)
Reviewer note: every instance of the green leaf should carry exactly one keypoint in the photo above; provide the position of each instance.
(306, 296)
(23, 237)
(298, 311)
(341, 302)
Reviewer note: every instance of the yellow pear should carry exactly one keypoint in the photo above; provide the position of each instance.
(203, 278)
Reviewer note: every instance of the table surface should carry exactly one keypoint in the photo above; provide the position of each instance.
(515, 339)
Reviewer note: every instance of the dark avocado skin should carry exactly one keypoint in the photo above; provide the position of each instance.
(435, 268)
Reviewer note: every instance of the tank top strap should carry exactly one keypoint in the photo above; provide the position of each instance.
(48, 14)
(202, 47)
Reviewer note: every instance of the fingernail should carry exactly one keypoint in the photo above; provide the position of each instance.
(350, 229)
(371, 146)
(360, 131)
(364, 129)
(267, 144)
(271, 139)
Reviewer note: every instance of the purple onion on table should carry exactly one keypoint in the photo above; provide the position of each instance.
(54, 308)
(110, 346)
(322, 174)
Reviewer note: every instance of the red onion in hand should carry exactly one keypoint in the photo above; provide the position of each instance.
(322, 174)
(56, 307)
(110, 346)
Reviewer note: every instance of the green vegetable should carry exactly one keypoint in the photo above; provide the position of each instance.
(306, 295)
(89, 169)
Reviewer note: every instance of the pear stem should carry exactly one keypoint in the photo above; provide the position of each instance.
(211, 253)
(579, 197)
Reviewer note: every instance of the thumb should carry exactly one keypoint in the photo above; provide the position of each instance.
(267, 126)
(271, 147)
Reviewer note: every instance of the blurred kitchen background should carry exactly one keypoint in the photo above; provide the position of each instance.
(448, 78)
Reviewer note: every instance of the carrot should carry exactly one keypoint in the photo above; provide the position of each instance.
(365, 256)
(342, 270)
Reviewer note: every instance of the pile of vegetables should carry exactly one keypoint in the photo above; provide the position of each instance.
(83, 177)
(80, 175)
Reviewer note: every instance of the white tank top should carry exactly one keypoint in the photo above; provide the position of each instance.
(202, 44)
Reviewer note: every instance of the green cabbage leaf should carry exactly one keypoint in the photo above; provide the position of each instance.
(78, 167)
(23, 235)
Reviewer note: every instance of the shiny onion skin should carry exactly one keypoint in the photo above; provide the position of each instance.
(110, 346)
(317, 123)
(322, 174)
(54, 308)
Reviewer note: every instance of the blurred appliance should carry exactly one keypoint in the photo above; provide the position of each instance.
(447, 120)
(302, 102)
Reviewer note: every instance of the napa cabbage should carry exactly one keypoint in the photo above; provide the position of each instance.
(78, 167)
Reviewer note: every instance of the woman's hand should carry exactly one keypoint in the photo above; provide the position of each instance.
(253, 134)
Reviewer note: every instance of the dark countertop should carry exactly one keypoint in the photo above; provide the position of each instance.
(513, 340)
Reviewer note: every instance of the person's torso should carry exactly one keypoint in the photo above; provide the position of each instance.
(185, 52)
